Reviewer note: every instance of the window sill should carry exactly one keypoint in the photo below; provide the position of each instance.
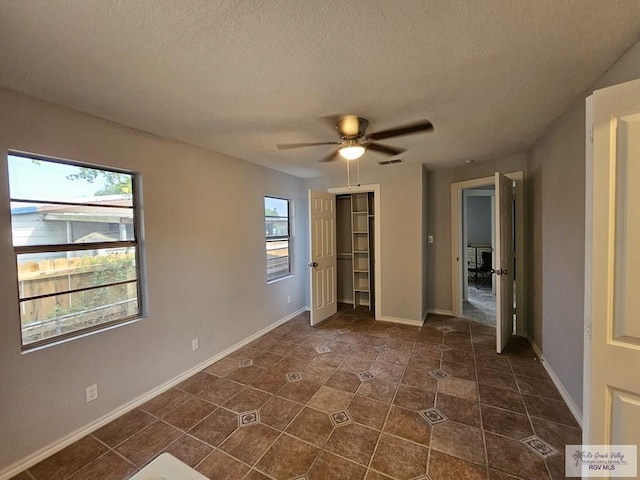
(279, 279)
(30, 348)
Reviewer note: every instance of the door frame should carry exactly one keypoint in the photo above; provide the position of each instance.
(588, 270)
(457, 247)
(377, 222)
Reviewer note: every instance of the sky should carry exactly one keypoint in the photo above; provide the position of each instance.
(277, 203)
(39, 180)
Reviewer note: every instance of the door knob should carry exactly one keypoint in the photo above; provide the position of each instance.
(313, 264)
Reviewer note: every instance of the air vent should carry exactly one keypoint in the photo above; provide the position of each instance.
(389, 162)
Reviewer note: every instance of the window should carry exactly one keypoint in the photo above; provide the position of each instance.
(76, 246)
(276, 222)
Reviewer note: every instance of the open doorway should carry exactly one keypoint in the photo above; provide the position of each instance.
(355, 251)
(508, 252)
(364, 251)
(479, 294)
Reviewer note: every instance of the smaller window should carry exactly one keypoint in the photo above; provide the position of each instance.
(278, 237)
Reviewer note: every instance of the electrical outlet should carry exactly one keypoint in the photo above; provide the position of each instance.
(288, 299)
(429, 238)
(92, 392)
(195, 344)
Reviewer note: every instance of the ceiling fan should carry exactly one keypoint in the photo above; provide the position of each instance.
(354, 140)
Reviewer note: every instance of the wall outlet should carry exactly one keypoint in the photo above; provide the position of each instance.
(195, 344)
(429, 238)
(91, 392)
(288, 299)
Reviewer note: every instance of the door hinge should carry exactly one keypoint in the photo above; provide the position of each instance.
(589, 330)
(591, 134)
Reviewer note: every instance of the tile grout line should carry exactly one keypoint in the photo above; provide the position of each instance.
(435, 403)
(484, 437)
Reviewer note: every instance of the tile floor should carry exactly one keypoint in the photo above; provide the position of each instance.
(348, 399)
(480, 305)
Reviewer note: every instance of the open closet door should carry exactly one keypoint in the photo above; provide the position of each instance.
(503, 262)
(323, 259)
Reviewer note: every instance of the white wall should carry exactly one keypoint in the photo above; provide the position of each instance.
(556, 186)
(478, 219)
(205, 252)
(401, 196)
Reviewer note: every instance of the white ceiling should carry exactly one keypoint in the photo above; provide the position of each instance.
(239, 77)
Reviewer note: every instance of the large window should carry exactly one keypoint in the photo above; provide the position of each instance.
(76, 246)
(276, 222)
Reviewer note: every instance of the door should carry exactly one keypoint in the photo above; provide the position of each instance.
(323, 260)
(503, 260)
(612, 391)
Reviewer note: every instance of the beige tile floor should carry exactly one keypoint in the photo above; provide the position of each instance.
(349, 399)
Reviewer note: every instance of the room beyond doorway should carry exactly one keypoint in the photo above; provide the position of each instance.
(478, 237)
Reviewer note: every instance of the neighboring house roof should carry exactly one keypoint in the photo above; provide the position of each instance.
(94, 237)
(87, 208)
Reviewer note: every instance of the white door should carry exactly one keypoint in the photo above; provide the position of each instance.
(323, 262)
(612, 392)
(503, 260)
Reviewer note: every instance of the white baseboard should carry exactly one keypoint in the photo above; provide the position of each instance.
(437, 311)
(577, 414)
(401, 321)
(58, 445)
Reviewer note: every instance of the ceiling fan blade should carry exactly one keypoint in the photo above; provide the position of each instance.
(387, 150)
(287, 146)
(411, 128)
(331, 157)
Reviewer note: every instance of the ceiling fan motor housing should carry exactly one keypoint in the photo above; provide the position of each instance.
(351, 127)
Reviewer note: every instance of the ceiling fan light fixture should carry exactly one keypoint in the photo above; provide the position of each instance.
(351, 151)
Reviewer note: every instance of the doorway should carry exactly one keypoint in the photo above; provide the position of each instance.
(355, 251)
(458, 266)
(478, 222)
(322, 249)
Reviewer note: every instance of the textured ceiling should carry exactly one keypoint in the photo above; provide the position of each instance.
(239, 77)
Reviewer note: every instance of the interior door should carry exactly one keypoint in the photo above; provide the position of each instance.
(612, 392)
(503, 260)
(323, 260)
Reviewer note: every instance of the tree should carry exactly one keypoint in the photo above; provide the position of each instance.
(271, 212)
(114, 183)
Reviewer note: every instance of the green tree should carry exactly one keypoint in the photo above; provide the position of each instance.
(271, 212)
(114, 183)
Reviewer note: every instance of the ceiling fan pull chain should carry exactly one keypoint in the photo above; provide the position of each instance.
(358, 166)
(348, 178)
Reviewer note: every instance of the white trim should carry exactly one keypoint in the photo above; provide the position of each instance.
(67, 440)
(575, 411)
(437, 311)
(401, 321)
(377, 244)
(588, 270)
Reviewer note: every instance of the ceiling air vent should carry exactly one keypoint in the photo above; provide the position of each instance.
(389, 162)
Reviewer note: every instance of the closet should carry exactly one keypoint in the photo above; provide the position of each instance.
(355, 218)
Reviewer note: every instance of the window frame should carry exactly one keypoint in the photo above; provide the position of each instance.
(135, 244)
(277, 238)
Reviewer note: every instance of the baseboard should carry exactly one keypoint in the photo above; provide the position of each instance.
(58, 445)
(577, 414)
(437, 311)
(401, 321)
